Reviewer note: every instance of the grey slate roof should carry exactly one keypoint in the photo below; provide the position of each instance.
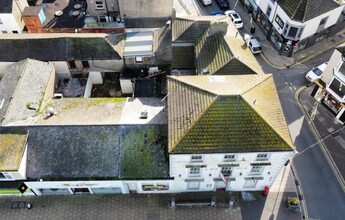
(188, 31)
(161, 39)
(183, 57)
(23, 83)
(304, 10)
(95, 152)
(6, 6)
(146, 22)
(57, 49)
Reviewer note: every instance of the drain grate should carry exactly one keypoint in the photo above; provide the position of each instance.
(18, 205)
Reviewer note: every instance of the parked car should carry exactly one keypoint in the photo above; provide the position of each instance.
(235, 18)
(316, 73)
(223, 4)
(217, 13)
(252, 43)
(206, 2)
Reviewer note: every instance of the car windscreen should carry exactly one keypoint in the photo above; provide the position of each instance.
(317, 71)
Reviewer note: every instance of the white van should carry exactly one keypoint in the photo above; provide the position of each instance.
(206, 2)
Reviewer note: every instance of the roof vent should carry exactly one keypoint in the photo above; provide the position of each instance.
(77, 6)
(58, 13)
(75, 13)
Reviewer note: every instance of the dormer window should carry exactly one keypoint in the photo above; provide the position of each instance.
(262, 156)
(196, 158)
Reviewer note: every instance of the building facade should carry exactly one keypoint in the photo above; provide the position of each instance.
(11, 16)
(291, 26)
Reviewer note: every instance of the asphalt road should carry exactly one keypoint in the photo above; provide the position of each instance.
(321, 192)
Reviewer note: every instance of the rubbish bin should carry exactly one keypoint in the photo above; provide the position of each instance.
(252, 30)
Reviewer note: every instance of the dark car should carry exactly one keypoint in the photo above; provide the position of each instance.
(223, 4)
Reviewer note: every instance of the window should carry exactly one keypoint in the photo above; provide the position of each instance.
(256, 169)
(99, 5)
(226, 171)
(292, 32)
(193, 185)
(194, 171)
(0, 21)
(5, 176)
(15, 32)
(337, 87)
(323, 21)
(262, 157)
(268, 11)
(71, 64)
(4, 32)
(196, 158)
(85, 64)
(138, 59)
(279, 21)
(230, 157)
(300, 32)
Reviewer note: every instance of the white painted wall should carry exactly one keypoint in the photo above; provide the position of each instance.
(94, 78)
(179, 171)
(9, 24)
(146, 8)
(62, 70)
(35, 186)
(22, 166)
(333, 64)
(310, 27)
(106, 65)
(3, 66)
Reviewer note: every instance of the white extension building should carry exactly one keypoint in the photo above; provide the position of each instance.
(11, 16)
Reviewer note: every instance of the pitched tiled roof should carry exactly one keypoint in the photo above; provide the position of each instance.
(183, 57)
(209, 114)
(304, 10)
(12, 146)
(95, 152)
(57, 49)
(6, 6)
(30, 87)
(188, 31)
(218, 53)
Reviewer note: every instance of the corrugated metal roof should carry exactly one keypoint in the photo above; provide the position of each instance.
(138, 44)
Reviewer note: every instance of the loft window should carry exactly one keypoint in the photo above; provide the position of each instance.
(300, 32)
(262, 157)
(99, 4)
(85, 64)
(323, 21)
(196, 158)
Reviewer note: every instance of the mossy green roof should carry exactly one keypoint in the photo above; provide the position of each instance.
(12, 146)
(218, 114)
(304, 10)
